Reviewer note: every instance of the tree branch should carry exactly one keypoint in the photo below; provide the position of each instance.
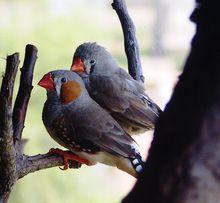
(14, 165)
(183, 163)
(29, 164)
(7, 151)
(24, 92)
(130, 41)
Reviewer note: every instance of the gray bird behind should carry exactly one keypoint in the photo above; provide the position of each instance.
(115, 90)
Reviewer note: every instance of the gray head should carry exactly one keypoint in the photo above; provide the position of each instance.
(67, 85)
(91, 58)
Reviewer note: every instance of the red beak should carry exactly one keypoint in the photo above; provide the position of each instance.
(77, 65)
(47, 82)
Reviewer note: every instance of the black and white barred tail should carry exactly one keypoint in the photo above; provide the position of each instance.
(137, 162)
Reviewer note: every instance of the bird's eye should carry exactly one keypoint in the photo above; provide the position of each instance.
(63, 80)
(92, 62)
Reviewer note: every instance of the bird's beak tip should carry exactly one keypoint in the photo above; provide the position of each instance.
(46, 82)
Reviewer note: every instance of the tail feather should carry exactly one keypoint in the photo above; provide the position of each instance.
(137, 164)
(132, 164)
(137, 161)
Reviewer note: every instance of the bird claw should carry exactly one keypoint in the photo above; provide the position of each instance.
(68, 156)
(65, 164)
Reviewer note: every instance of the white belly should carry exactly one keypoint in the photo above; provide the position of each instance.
(101, 157)
(120, 162)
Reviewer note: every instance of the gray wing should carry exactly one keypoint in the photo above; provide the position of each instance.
(103, 132)
(122, 95)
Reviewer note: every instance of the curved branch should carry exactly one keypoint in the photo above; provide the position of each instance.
(24, 92)
(130, 41)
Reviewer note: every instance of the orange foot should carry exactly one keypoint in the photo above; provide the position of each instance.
(68, 156)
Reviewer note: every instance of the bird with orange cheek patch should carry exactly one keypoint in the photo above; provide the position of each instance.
(79, 124)
(114, 89)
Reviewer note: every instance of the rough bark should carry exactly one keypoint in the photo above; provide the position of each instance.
(29, 164)
(24, 92)
(183, 163)
(7, 151)
(130, 41)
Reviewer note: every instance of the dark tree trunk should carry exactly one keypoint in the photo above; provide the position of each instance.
(184, 162)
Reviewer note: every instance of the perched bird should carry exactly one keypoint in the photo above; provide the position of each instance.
(114, 89)
(78, 123)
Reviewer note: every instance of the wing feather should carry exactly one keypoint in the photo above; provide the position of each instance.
(102, 132)
(125, 97)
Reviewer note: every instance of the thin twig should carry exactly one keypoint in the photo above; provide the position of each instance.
(7, 151)
(130, 41)
(24, 92)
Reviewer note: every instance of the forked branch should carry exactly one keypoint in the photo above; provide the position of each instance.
(14, 165)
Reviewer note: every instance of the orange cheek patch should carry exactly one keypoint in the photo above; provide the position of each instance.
(70, 91)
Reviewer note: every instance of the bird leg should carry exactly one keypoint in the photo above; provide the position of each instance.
(68, 156)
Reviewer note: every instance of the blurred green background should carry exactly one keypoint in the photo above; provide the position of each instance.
(57, 27)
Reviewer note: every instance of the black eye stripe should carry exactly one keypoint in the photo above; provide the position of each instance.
(92, 63)
(92, 68)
